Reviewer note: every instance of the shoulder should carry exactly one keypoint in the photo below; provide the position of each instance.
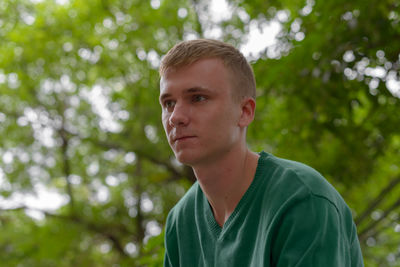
(298, 189)
(296, 178)
(185, 206)
(179, 219)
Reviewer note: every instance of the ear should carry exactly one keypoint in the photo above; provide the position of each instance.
(248, 107)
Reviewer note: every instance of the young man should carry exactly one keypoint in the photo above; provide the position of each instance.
(246, 208)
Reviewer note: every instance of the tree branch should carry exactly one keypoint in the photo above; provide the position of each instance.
(137, 151)
(102, 230)
(364, 233)
(138, 190)
(198, 26)
(373, 204)
(66, 166)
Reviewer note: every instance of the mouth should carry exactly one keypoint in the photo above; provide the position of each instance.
(182, 138)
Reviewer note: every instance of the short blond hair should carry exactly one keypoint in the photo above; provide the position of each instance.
(188, 52)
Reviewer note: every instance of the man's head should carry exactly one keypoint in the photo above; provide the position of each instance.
(205, 112)
(188, 52)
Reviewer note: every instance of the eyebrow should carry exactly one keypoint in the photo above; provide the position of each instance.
(188, 91)
(163, 96)
(197, 90)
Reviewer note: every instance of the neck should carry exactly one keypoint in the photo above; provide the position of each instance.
(224, 182)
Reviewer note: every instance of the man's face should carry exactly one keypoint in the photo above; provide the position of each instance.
(199, 115)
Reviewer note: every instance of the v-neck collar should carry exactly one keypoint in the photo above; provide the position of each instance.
(218, 231)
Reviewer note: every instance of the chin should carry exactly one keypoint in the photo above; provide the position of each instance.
(186, 158)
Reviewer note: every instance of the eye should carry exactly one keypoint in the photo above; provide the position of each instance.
(198, 98)
(168, 104)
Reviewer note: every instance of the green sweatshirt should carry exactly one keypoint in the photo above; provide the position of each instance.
(289, 216)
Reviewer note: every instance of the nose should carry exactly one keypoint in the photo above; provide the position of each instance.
(179, 116)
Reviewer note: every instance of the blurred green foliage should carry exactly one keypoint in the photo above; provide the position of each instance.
(79, 115)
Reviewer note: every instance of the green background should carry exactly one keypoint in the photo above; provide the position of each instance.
(79, 115)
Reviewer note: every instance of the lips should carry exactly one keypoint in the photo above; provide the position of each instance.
(182, 138)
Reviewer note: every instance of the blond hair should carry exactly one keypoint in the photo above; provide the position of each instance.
(188, 52)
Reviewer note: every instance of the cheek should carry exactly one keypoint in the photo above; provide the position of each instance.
(164, 120)
(221, 123)
(228, 116)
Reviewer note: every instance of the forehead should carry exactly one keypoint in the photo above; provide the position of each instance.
(209, 73)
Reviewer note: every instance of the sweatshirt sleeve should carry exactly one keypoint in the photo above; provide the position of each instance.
(313, 232)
